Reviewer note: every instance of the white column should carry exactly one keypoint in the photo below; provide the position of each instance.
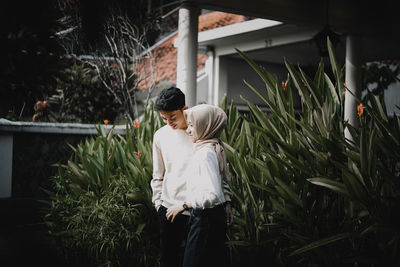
(6, 155)
(209, 67)
(353, 81)
(186, 78)
(220, 79)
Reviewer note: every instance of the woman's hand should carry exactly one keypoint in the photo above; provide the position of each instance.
(229, 214)
(172, 212)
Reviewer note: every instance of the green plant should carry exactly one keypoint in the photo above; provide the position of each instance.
(80, 98)
(101, 211)
(302, 192)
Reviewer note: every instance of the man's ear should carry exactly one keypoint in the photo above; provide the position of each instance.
(185, 107)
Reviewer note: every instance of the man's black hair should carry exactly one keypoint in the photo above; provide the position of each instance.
(170, 99)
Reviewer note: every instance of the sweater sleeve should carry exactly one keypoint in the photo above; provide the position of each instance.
(158, 173)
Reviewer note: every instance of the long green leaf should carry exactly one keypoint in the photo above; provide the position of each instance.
(269, 80)
(321, 242)
(330, 184)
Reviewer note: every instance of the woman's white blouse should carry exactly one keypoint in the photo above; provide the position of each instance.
(204, 181)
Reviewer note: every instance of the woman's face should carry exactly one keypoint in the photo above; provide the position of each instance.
(190, 130)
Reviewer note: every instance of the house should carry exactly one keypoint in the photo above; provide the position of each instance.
(220, 71)
(165, 52)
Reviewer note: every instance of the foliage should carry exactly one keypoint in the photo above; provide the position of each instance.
(125, 65)
(379, 76)
(30, 55)
(303, 195)
(88, 18)
(101, 210)
(118, 54)
(121, 67)
(80, 98)
(302, 192)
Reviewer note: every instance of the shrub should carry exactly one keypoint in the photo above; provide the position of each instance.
(101, 211)
(80, 97)
(304, 195)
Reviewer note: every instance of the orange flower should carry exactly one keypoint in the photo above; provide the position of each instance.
(137, 124)
(360, 110)
(41, 105)
(106, 122)
(34, 117)
(284, 86)
(38, 105)
(138, 154)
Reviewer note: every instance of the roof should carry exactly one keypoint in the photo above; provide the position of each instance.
(165, 54)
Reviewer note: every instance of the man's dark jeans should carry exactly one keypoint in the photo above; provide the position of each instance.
(206, 239)
(172, 238)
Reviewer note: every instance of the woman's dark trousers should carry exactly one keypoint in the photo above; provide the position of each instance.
(205, 246)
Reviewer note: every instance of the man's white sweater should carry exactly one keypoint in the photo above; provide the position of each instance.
(172, 152)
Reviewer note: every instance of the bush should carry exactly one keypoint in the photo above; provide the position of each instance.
(80, 97)
(304, 195)
(101, 211)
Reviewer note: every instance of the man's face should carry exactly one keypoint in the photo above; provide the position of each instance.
(175, 118)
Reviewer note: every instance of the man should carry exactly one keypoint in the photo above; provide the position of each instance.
(172, 149)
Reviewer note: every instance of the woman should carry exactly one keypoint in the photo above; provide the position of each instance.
(205, 244)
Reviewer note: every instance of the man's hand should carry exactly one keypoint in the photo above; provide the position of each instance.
(172, 212)
(229, 214)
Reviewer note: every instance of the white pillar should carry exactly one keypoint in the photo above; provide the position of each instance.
(186, 78)
(209, 67)
(353, 81)
(6, 155)
(220, 79)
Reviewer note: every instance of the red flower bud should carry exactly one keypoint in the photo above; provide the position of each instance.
(138, 154)
(137, 124)
(360, 110)
(284, 86)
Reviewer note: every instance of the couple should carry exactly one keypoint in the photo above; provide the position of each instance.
(190, 183)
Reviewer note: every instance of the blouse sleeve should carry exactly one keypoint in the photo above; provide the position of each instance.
(207, 185)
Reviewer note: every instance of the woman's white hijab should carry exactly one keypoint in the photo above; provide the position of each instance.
(208, 123)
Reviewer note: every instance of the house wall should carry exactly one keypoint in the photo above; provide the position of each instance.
(202, 89)
(239, 70)
(392, 98)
